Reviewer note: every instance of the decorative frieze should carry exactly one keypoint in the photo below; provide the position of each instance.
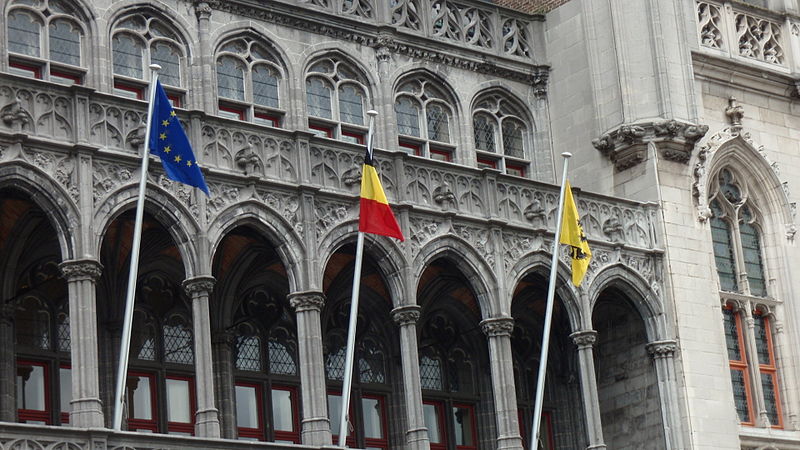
(626, 145)
(37, 112)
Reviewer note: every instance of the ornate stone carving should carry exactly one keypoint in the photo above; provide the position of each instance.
(423, 230)
(307, 301)
(81, 269)
(497, 326)
(115, 127)
(735, 113)
(14, 114)
(202, 10)
(584, 338)
(479, 238)
(352, 177)
(709, 23)
(330, 214)
(662, 349)
(759, 38)
(406, 315)
(444, 193)
(107, 177)
(37, 112)
(613, 229)
(515, 245)
(287, 205)
(358, 8)
(626, 145)
(406, 14)
(249, 161)
(202, 285)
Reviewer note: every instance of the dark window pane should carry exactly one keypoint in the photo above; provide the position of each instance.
(265, 86)
(430, 373)
(407, 117)
(65, 42)
(33, 324)
(371, 363)
(178, 344)
(770, 399)
(248, 353)
(62, 329)
(484, 128)
(280, 359)
(23, 33)
(762, 342)
(318, 98)
(128, 53)
(247, 407)
(169, 58)
(512, 138)
(438, 123)
(751, 249)
(351, 104)
(740, 395)
(30, 387)
(464, 425)
(334, 364)
(230, 78)
(723, 252)
(732, 335)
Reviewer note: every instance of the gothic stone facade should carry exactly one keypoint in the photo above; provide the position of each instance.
(682, 335)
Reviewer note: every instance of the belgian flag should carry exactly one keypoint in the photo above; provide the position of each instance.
(376, 215)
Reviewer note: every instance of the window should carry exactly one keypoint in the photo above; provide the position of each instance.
(735, 232)
(160, 391)
(336, 98)
(500, 135)
(266, 370)
(424, 120)
(139, 40)
(249, 82)
(44, 388)
(45, 40)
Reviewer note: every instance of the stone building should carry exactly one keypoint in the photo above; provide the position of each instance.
(682, 117)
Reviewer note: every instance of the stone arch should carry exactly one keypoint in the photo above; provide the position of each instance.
(165, 208)
(539, 263)
(288, 244)
(52, 198)
(645, 298)
(402, 74)
(495, 87)
(258, 32)
(319, 51)
(468, 261)
(385, 251)
(158, 9)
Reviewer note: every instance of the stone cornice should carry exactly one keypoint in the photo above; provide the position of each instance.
(406, 315)
(498, 326)
(307, 301)
(81, 269)
(626, 144)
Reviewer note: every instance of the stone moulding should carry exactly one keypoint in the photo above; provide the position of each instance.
(626, 145)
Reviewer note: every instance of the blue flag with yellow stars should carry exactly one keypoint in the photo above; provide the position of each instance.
(169, 142)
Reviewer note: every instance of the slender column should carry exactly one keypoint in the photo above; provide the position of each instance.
(406, 318)
(755, 373)
(499, 331)
(203, 12)
(223, 347)
(663, 353)
(206, 423)
(8, 376)
(86, 408)
(316, 427)
(585, 339)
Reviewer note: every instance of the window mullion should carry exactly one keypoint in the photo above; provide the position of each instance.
(753, 367)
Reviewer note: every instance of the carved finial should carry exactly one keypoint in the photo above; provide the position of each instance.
(735, 112)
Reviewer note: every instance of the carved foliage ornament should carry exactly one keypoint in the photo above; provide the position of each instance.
(499, 326)
(406, 315)
(307, 301)
(81, 269)
(626, 145)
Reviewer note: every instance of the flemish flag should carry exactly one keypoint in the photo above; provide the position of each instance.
(572, 235)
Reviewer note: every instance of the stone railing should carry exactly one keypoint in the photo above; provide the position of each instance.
(747, 33)
(469, 23)
(14, 436)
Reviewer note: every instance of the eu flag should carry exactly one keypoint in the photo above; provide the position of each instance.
(169, 142)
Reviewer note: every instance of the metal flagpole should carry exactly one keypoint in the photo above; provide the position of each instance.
(125, 342)
(351, 327)
(548, 317)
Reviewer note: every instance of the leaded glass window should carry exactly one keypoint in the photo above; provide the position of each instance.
(24, 33)
(336, 98)
(178, 346)
(371, 365)
(751, 252)
(65, 42)
(767, 367)
(424, 117)
(495, 113)
(248, 353)
(249, 81)
(168, 57)
(63, 339)
(430, 373)
(128, 52)
(142, 39)
(281, 357)
(770, 399)
(32, 324)
(334, 361)
(732, 335)
(740, 395)
(723, 250)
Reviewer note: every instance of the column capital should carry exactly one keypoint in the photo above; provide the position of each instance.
(81, 269)
(406, 314)
(307, 301)
(584, 338)
(498, 326)
(662, 349)
(199, 285)
(202, 10)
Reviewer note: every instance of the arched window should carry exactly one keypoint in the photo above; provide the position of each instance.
(501, 135)
(160, 390)
(266, 370)
(736, 224)
(337, 100)
(139, 40)
(249, 82)
(46, 40)
(425, 119)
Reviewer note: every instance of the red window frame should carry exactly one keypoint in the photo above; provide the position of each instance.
(375, 442)
(445, 155)
(325, 129)
(138, 91)
(35, 70)
(517, 168)
(146, 424)
(439, 407)
(174, 99)
(239, 112)
(474, 430)
(359, 137)
(254, 433)
(45, 415)
(351, 438)
(741, 365)
(77, 79)
(484, 163)
(416, 149)
(771, 369)
(182, 427)
(546, 425)
(284, 435)
(64, 415)
(268, 119)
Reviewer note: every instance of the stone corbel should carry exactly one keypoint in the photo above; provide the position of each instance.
(444, 193)
(249, 161)
(15, 113)
(626, 145)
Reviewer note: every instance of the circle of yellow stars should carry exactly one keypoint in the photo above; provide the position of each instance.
(163, 135)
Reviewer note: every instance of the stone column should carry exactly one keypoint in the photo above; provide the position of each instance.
(206, 419)
(759, 408)
(203, 12)
(585, 339)
(86, 408)
(316, 427)
(406, 318)
(8, 364)
(499, 332)
(663, 353)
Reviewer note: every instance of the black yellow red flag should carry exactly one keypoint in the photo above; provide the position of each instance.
(376, 216)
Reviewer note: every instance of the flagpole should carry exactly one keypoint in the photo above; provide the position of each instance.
(351, 327)
(125, 342)
(548, 317)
